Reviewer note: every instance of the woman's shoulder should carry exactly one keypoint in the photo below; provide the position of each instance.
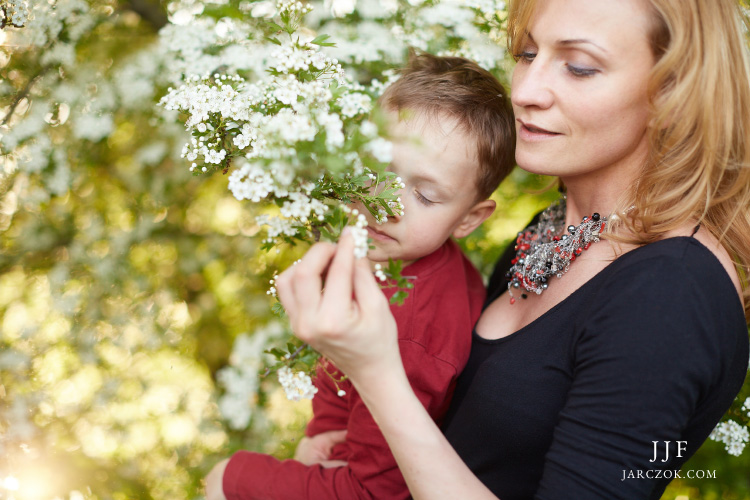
(711, 243)
(679, 258)
(670, 262)
(672, 284)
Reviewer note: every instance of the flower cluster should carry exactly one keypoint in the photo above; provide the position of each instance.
(297, 385)
(14, 13)
(746, 407)
(240, 378)
(733, 435)
(385, 29)
(298, 140)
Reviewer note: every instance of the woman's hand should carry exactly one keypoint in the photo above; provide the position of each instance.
(316, 449)
(349, 321)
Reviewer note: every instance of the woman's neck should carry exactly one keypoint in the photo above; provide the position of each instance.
(578, 207)
(590, 193)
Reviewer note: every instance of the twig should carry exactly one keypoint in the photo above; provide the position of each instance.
(21, 95)
(291, 357)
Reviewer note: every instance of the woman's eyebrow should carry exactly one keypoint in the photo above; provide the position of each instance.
(578, 41)
(571, 41)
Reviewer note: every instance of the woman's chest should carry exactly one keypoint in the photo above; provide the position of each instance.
(508, 399)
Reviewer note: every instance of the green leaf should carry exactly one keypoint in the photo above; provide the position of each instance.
(321, 41)
(278, 309)
(276, 352)
(399, 297)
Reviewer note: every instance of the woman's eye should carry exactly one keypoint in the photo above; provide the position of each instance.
(422, 199)
(581, 71)
(526, 56)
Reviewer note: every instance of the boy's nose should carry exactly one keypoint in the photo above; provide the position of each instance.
(397, 211)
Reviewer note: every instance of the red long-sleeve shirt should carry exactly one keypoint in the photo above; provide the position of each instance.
(434, 331)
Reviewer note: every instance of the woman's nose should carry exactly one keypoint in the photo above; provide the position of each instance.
(530, 86)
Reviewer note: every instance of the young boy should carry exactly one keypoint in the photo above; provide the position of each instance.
(454, 140)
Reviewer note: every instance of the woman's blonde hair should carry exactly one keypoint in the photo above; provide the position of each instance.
(699, 90)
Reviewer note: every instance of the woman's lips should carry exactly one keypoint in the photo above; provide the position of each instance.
(377, 235)
(531, 132)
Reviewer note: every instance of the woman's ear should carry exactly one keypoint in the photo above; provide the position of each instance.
(473, 218)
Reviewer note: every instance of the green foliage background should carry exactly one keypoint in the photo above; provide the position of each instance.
(121, 297)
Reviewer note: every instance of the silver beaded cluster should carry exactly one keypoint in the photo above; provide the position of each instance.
(542, 252)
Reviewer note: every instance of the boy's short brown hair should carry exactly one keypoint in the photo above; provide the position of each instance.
(461, 89)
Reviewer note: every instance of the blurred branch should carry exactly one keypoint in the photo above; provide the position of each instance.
(24, 92)
(150, 12)
(6, 183)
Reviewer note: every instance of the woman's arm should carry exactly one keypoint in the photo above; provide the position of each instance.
(350, 322)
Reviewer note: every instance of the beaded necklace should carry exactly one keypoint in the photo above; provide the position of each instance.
(541, 253)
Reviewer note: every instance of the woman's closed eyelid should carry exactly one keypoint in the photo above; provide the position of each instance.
(581, 71)
(577, 70)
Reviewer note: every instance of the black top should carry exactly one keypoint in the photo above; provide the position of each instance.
(653, 348)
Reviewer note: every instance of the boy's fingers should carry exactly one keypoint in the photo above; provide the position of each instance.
(337, 436)
(327, 464)
(339, 278)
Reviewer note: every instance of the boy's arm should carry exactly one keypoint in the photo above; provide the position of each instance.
(371, 472)
(317, 449)
(370, 458)
(251, 476)
(330, 411)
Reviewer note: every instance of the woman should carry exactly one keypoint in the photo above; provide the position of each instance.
(605, 378)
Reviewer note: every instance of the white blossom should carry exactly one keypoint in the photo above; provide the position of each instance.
(359, 233)
(251, 182)
(297, 385)
(355, 103)
(334, 129)
(379, 274)
(16, 12)
(240, 379)
(381, 149)
(266, 8)
(733, 435)
(340, 8)
(278, 225)
(93, 126)
(368, 129)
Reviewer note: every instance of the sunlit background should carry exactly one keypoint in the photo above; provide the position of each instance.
(133, 304)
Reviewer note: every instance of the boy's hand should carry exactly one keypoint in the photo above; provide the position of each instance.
(316, 449)
(215, 481)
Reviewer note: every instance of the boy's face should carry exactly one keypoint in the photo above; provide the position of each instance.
(437, 163)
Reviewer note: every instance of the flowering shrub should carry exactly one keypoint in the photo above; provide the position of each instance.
(300, 134)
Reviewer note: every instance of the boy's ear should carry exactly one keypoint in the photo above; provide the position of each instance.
(474, 217)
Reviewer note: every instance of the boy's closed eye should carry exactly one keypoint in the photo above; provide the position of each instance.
(423, 199)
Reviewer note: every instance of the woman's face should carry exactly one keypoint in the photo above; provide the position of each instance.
(579, 89)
